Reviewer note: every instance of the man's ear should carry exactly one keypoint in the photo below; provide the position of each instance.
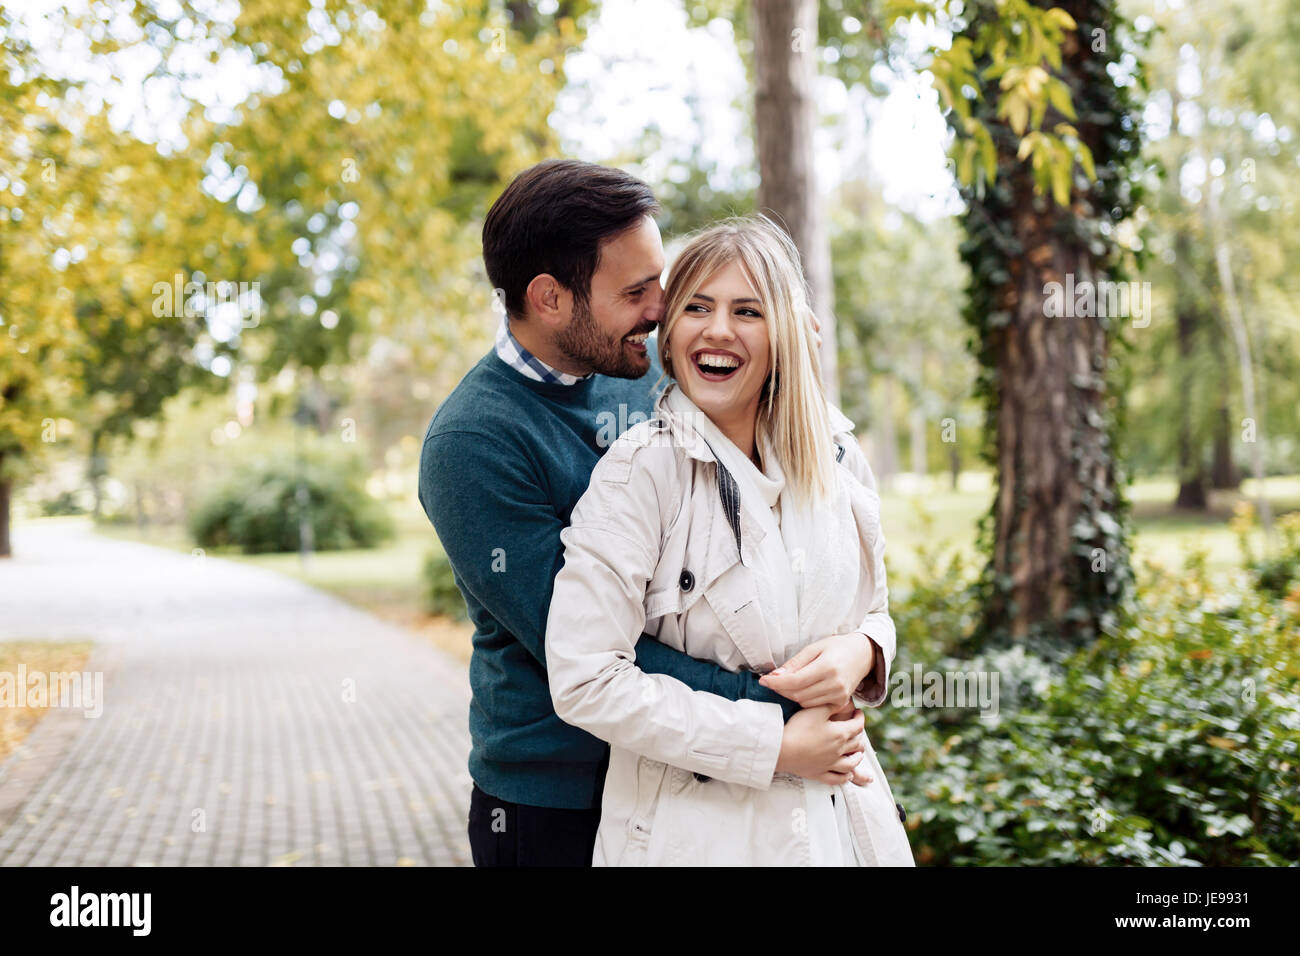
(550, 301)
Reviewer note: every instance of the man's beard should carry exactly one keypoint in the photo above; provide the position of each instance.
(585, 343)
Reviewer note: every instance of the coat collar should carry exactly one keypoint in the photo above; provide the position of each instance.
(680, 413)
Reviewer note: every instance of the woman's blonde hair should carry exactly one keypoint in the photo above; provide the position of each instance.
(792, 406)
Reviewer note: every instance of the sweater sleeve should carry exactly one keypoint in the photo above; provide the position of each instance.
(654, 657)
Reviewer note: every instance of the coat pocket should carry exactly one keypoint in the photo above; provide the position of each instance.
(644, 824)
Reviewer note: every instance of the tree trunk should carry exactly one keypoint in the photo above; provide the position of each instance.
(887, 452)
(785, 113)
(1052, 451)
(1192, 492)
(6, 498)
(95, 472)
(920, 460)
(1241, 337)
(1224, 473)
(1191, 468)
(1059, 566)
(916, 415)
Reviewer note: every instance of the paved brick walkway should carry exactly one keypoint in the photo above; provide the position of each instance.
(247, 720)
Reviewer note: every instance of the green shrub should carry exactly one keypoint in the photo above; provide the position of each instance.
(65, 503)
(258, 509)
(1174, 740)
(1275, 576)
(441, 594)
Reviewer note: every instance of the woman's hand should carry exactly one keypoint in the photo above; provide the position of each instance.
(825, 744)
(826, 672)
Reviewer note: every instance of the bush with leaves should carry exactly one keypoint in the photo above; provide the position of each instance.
(440, 591)
(259, 507)
(64, 503)
(1172, 740)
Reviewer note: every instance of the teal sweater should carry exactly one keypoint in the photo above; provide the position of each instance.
(504, 461)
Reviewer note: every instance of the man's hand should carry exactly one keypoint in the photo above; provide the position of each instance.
(826, 672)
(816, 331)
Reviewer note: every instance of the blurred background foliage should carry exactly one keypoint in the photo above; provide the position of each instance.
(332, 161)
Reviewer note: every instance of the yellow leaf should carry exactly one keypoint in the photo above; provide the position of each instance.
(1062, 19)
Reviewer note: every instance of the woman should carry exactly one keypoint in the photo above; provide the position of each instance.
(739, 525)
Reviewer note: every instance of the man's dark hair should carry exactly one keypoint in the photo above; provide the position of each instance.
(552, 219)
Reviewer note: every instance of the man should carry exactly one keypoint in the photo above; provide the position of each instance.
(575, 256)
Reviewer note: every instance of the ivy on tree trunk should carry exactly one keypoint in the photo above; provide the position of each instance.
(1058, 568)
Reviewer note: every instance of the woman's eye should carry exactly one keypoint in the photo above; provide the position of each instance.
(695, 307)
(750, 313)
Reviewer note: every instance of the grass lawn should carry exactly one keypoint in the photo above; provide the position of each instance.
(387, 580)
(933, 514)
(43, 657)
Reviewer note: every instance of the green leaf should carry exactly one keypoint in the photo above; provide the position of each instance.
(965, 171)
(1061, 182)
(1085, 160)
(1059, 95)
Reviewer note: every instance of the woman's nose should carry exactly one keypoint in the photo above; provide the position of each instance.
(719, 326)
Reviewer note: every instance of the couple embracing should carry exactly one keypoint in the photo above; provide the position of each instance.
(673, 631)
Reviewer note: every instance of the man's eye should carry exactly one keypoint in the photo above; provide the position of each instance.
(635, 294)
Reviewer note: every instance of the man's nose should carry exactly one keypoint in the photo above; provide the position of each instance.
(654, 307)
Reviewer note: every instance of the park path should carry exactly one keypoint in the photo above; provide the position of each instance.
(247, 719)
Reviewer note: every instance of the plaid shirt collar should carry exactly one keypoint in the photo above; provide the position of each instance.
(526, 363)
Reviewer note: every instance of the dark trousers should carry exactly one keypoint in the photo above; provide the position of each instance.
(502, 833)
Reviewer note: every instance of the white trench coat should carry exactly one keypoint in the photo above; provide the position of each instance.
(660, 544)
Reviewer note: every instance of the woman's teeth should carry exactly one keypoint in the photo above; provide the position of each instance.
(717, 362)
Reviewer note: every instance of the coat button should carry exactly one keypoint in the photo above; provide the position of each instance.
(687, 580)
(902, 814)
(701, 777)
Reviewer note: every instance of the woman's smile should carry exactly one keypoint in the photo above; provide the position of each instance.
(717, 365)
